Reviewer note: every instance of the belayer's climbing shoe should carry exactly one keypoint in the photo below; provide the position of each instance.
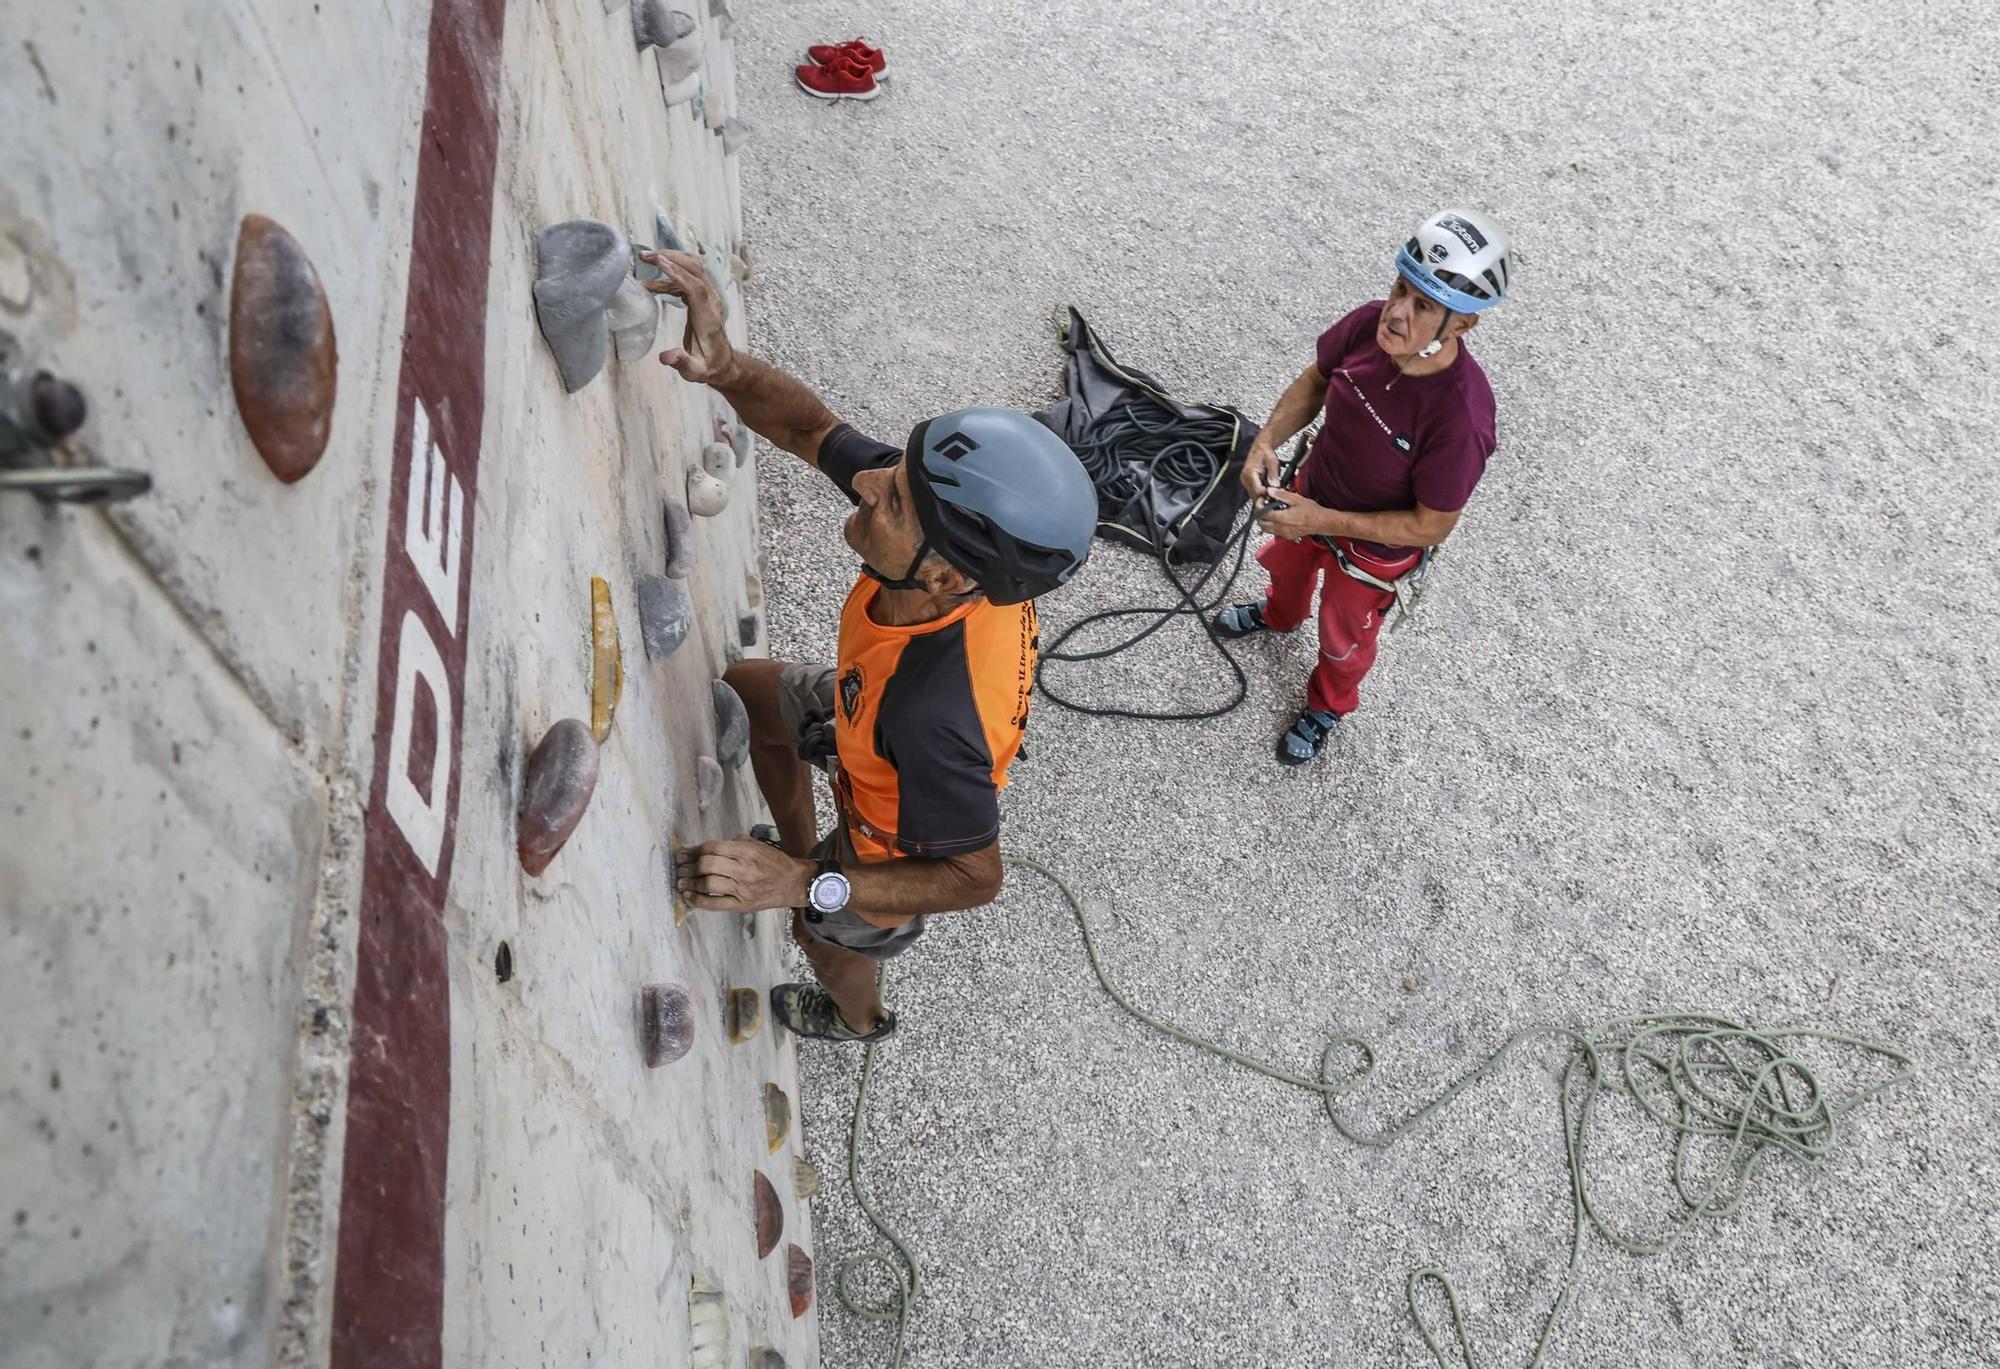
(1240, 620)
(808, 1010)
(1304, 738)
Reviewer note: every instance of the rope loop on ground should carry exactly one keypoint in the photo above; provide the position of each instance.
(1701, 1076)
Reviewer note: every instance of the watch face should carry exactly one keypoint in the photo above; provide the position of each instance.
(829, 892)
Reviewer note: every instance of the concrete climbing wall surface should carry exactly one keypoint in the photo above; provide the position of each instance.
(301, 1065)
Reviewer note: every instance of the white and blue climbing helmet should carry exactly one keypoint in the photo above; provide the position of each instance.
(1457, 258)
(1003, 499)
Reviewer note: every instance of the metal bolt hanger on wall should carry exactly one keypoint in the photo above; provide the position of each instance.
(38, 412)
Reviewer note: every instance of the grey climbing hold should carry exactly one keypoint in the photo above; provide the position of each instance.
(579, 267)
(763, 1357)
(725, 10)
(656, 26)
(746, 628)
(664, 235)
(734, 132)
(664, 615)
(718, 459)
(632, 317)
(715, 262)
(707, 782)
(732, 726)
(739, 438)
(681, 552)
(562, 774)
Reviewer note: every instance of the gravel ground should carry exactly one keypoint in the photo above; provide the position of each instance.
(1702, 712)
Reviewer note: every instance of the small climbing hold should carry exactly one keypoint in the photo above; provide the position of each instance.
(746, 628)
(607, 662)
(656, 26)
(745, 1013)
(682, 61)
(753, 588)
(579, 266)
(805, 1179)
(718, 459)
(680, 90)
(777, 1116)
(734, 132)
(770, 1215)
(664, 615)
(633, 317)
(673, 881)
(715, 264)
(725, 10)
(708, 1328)
(732, 726)
(763, 1357)
(562, 773)
(681, 552)
(707, 496)
(707, 782)
(668, 1014)
(665, 237)
(739, 438)
(798, 1279)
(282, 354)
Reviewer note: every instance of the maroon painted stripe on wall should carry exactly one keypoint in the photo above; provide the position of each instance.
(388, 1292)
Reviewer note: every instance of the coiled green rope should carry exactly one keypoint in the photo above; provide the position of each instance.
(1698, 1074)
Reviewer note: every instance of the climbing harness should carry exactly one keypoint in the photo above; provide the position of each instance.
(1408, 588)
(1697, 1074)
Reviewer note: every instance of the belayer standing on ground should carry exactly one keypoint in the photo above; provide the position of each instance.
(1408, 426)
(919, 719)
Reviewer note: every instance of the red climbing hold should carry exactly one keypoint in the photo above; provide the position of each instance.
(799, 1279)
(668, 1013)
(770, 1216)
(282, 356)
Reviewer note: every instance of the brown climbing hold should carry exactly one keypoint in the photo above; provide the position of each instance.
(607, 665)
(668, 1012)
(770, 1216)
(282, 356)
(562, 773)
(777, 1116)
(805, 1180)
(799, 1279)
(746, 1014)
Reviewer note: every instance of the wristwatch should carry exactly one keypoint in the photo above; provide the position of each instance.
(828, 891)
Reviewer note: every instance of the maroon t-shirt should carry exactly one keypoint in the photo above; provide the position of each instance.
(1391, 441)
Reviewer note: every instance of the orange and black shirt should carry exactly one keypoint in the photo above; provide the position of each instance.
(927, 718)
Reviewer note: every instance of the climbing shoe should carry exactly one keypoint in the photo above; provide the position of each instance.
(1240, 620)
(808, 1010)
(1304, 738)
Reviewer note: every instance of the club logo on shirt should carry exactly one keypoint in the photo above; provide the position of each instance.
(954, 446)
(1402, 441)
(850, 692)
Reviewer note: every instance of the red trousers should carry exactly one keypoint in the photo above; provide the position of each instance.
(1350, 613)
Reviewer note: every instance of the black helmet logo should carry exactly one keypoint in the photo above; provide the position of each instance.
(1439, 251)
(953, 446)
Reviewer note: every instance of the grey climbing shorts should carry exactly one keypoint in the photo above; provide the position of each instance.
(805, 700)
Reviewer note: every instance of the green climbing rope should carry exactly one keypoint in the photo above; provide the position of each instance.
(1698, 1074)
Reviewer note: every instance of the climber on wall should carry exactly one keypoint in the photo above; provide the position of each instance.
(923, 711)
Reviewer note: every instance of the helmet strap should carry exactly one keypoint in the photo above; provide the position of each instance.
(909, 580)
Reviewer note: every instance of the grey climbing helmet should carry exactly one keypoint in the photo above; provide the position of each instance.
(1459, 258)
(1003, 499)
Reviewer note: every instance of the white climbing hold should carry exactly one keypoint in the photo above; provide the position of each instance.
(734, 133)
(707, 782)
(680, 541)
(633, 317)
(718, 459)
(707, 496)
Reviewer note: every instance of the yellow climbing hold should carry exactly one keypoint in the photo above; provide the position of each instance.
(607, 666)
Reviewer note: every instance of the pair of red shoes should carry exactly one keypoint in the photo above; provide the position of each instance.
(843, 71)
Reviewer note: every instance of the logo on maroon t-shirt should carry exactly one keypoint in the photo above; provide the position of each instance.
(1402, 441)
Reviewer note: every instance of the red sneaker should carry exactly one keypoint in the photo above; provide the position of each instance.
(874, 59)
(844, 79)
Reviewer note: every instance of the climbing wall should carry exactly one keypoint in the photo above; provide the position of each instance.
(351, 1015)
